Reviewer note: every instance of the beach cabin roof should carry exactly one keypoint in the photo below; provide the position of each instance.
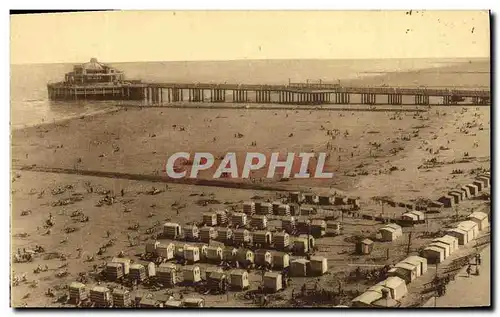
(272, 274)
(415, 259)
(170, 224)
(446, 239)
(136, 266)
(165, 245)
(317, 259)
(114, 264)
(410, 215)
(194, 301)
(303, 219)
(318, 222)
(406, 266)
(261, 232)
(224, 230)
(301, 261)
(459, 230)
(214, 248)
(120, 291)
(166, 267)
(376, 288)
(367, 241)
(368, 297)
(390, 229)
(173, 303)
(217, 275)
(394, 226)
(396, 285)
(434, 248)
(392, 282)
(121, 260)
(419, 213)
(467, 225)
(238, 272)
(190, 267)
(465, 189)
(100, 289)
(478, 215)
(207, 229)
(76, 285)
(241, 231)
(212, 269)
(281, 234)
(446, 246)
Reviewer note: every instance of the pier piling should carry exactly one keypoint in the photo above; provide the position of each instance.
(303, 94)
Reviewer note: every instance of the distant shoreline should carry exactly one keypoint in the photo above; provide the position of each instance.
(66, 119)
(228, 106)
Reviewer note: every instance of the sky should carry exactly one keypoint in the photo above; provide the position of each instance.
(129, 36)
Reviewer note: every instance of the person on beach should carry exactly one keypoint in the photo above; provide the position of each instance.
(478, 259)
(468, 270)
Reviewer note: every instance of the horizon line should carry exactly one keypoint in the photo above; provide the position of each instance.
(259, 59)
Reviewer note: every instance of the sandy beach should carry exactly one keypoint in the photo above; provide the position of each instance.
(402, 155)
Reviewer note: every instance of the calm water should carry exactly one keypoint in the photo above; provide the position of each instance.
(30, 104)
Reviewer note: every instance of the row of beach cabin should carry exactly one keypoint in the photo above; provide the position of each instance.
(468, 191)
(280, 240)
(388, 292)
(277, 208)
(428, 206)
(217, 254)
(441, 248)
(313, 199)
(464, 233)
(168, 274)
(100, 296)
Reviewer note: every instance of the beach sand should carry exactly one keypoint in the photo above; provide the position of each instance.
(138, 141)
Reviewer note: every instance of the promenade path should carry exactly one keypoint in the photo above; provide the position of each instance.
(473, 291)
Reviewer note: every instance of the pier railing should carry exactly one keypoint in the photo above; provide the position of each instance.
(301, 94)
(329, 88)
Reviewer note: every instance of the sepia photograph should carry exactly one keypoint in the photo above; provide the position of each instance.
(250, 159)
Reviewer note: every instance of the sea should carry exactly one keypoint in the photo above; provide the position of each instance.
(30, 105)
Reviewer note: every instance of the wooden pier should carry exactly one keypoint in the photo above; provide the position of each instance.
(292, 94)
